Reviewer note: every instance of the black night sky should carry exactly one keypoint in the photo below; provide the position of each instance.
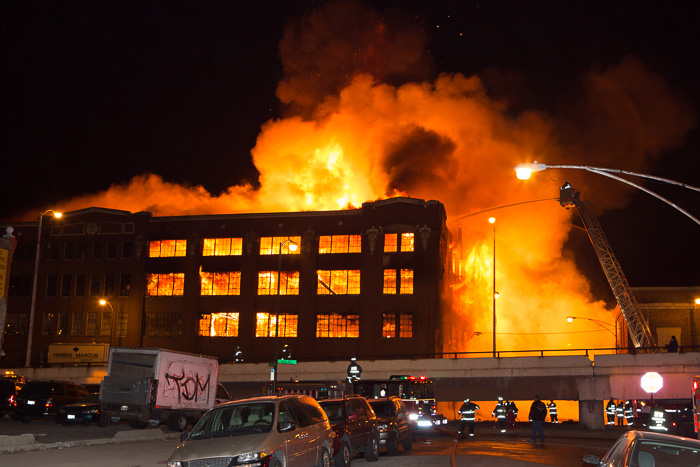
(95, 93)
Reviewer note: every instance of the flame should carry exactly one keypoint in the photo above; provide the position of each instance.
(350, 137)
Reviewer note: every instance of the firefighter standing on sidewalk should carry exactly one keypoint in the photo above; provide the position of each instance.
(610, 411)
(553, 412)
(620, 413)
(629, 413)
(500, 413)
(468, 414)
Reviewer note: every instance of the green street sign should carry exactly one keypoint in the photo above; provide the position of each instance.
(288, 362)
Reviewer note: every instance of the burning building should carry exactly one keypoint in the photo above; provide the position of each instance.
(369, 282)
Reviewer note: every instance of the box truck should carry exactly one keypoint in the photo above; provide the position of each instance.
(149, 386)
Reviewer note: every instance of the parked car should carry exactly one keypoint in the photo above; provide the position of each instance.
(355, 426)
(393, 424)
(18, 379)
(44, 398)
(275, 431)
(8, 394)
(88, 410)
(647, 449)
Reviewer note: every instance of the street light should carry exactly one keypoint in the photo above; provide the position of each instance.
(523, 172)
(607, 326)
(57, 215)
(292, 247)
(492, 220)
(104, 302)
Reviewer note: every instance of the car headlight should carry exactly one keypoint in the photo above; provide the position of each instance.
(413, 416)
(382, 427)
(174, 464)
(251, 457)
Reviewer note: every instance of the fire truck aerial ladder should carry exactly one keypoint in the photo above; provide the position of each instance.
(638, 328)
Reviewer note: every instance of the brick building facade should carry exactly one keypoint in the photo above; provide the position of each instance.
(366, 282)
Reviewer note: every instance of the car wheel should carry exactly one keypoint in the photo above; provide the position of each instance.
(392, 444)
(177, 422)
(344, 456)
(372, 448)
(325, 458)
(407, 442)
(103, 420)
(276, 463)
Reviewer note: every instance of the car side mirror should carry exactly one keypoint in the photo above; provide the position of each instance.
(183, 436)
(287, 426)
(592, 460)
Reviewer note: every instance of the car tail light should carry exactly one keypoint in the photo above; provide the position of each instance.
(49, 402)
(13, 401)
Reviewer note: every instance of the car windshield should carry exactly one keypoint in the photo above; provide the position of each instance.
(36, 387)
(94, 397)
(235, 420)
(651, 452)
(334, 410)
(382, 408)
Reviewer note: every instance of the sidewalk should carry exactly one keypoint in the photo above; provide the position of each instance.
(28, 442)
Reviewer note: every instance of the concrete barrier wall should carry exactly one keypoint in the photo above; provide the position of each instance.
(571, 377)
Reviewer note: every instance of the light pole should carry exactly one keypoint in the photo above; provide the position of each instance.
(292, 247)
(32, 308)
(104, 302)
(603, 324)
(492, 220)
(523, 172)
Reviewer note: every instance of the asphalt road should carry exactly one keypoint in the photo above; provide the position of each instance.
(564, 446)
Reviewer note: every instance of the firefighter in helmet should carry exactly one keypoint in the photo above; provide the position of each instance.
(500, 413)
(610, 411)
(552, 406)
(467, 413)
(629, 413)
(620, 413)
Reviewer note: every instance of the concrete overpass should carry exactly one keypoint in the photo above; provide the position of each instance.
(592, 382)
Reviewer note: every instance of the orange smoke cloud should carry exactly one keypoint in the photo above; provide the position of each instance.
(355, 138)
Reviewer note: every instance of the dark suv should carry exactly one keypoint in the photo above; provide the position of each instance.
(393, 424)
(44, 398)
(355, 426)
(8, 393)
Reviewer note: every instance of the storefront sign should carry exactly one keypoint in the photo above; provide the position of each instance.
(78, 353)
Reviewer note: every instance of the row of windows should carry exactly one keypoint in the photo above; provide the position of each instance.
(85, 250)
(327, 244)
(394, 325)
(76, 324)
(330, 282)
(80, 285)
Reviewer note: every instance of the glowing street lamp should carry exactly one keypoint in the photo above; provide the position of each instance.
(607, 326)
(104, 302)
(32, 308)
(652, 382)
(524, 170)
(292, 247)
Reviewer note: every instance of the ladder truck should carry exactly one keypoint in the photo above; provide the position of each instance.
(638, 328)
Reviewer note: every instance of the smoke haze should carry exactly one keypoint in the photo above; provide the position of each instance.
(361, 123)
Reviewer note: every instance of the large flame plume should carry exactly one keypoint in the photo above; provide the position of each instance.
(359, 126)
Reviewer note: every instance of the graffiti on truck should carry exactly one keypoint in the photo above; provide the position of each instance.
(186, 383)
